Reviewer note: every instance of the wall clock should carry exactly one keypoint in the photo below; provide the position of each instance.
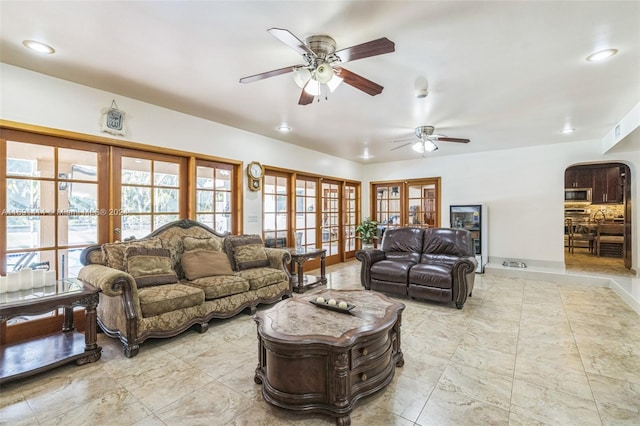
(255, 171)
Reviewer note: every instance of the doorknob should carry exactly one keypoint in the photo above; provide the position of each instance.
(116, 231)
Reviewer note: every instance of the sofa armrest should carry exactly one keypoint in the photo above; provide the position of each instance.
(278, 259)
(368, 257)
(111, 282)
(464, 273)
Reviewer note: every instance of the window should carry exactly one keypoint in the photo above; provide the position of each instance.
(406, 203)
(330, 217)
(306, 217)
(54, 204)
(275, 202)
(316, 211)
(422, 205)
(214, 195)
(388, 205)
(147, 192)
(350, 208)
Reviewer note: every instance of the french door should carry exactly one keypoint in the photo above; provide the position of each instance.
(414, 203)
(149, 190)
(54, 203)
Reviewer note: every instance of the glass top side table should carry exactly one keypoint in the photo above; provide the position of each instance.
(25, 358)
(300, 281)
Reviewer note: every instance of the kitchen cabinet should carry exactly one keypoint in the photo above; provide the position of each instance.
(578, 177)
(607, 188)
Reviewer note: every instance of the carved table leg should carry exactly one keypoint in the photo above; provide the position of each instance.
(90, 336)
(300, 262)
(323, 268)
(68, 319)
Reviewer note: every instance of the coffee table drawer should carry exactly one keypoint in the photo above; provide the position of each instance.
(370, 349)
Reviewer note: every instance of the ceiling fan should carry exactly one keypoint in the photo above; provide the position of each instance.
(426, 140)
(322, 64)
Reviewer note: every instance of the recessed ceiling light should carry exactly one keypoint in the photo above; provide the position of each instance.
(568, 130)
(601, 55)
(284, 128)
(38, 46)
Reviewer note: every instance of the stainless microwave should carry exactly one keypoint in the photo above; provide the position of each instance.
(577, 195)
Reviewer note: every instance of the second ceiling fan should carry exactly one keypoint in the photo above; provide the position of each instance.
(322, 64)
(426, 140)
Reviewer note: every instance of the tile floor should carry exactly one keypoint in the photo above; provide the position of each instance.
(521, 352)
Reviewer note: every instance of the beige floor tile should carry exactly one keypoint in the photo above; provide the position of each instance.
(483, 358)
(404, 397)
(571, 378)
(117, 407)
(446, 408)
(618, 360)
(212, 403)
(476, 384)
(619, 393)
(14, 409)
(548, 406)
(422, 367)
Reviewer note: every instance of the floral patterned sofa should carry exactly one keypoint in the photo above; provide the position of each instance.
(180, 275)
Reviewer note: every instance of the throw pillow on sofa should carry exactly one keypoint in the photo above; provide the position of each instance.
(246, 251)
(195, 243)
(113, 253)
(205, 263)
(150, 266)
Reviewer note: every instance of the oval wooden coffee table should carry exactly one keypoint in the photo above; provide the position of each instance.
(315, 360)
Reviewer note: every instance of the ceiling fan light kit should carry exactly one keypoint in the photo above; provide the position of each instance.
(321, 64)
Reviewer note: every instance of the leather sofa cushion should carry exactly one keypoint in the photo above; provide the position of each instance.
(431, 275)
(391, 270)
(159, 299)
(403, 240)
(447, 241)
(218, 286)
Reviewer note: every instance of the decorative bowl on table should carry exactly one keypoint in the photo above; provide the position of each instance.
(332, 304)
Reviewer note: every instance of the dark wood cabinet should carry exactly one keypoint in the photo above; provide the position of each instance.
(607, 186)
(578, 177)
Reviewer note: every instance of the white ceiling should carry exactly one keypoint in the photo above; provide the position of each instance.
(503, 74)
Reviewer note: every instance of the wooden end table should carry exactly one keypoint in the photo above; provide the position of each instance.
(39, 354)
(314, 360)
(299, 281)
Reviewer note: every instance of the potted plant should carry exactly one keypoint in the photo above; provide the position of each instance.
(367, 232)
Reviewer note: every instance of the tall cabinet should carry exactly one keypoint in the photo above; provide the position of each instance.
(473, 217)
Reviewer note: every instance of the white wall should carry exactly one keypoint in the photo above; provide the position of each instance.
(523, 188)
(33, 98)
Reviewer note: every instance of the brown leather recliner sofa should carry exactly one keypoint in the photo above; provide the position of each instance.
(434, 264)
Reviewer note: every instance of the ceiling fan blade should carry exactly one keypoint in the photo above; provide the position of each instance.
(403, 140)
(359, 82)
(292, 41)
(365, 50)
(305, 98)
(446, 139)
(400, 146)
(267, 74)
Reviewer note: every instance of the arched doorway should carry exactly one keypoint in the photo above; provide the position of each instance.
(598, 217)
